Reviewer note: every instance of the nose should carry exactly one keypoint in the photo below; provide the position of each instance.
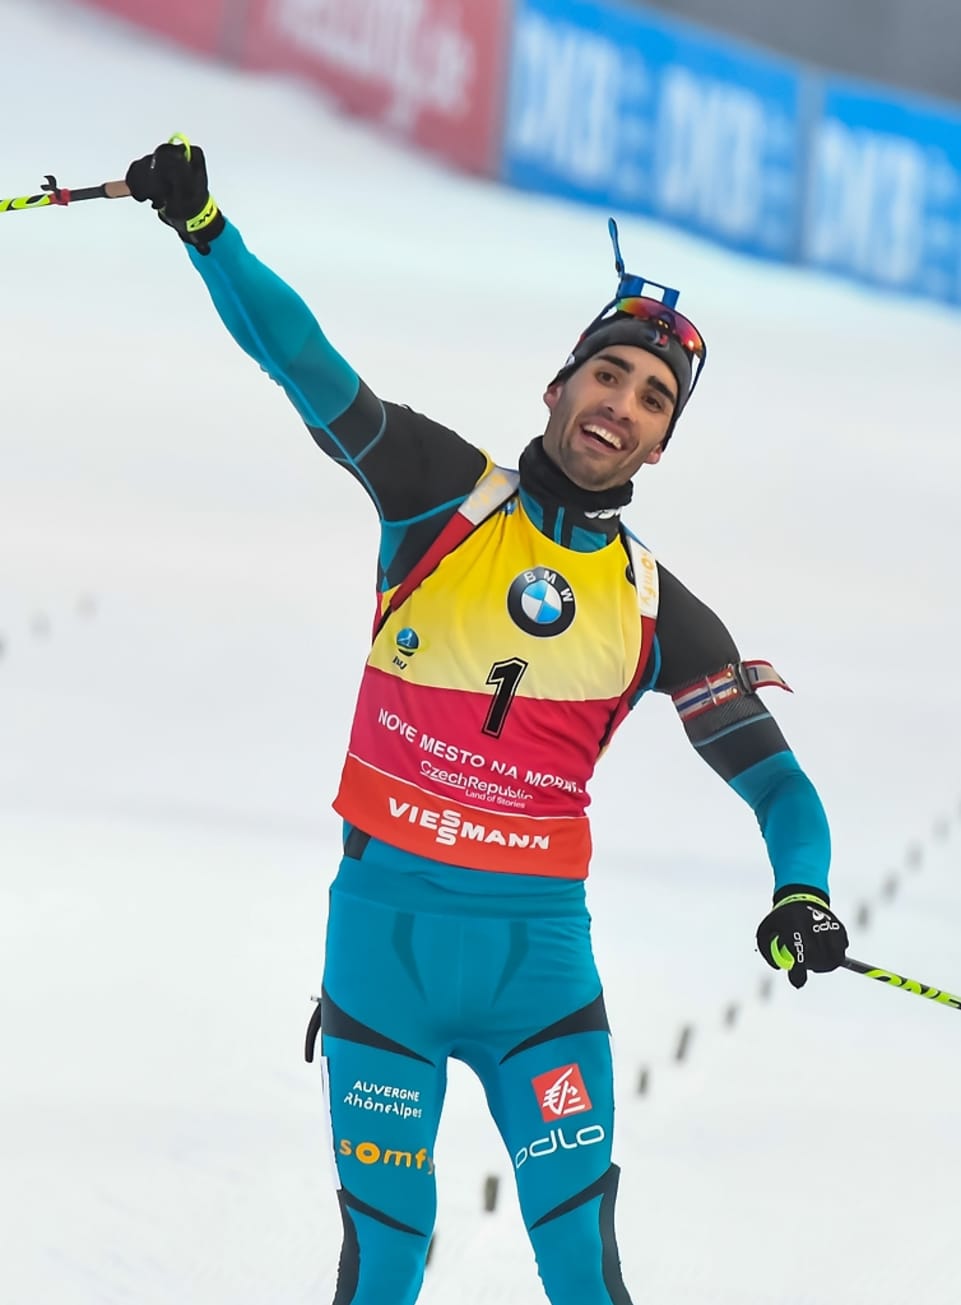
(619, 407)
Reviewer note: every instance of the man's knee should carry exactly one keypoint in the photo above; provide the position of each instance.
(576, 1247)
(381, 1259)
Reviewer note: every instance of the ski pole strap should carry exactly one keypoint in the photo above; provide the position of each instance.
(894, 980)
(313, 1030)
(733, 681)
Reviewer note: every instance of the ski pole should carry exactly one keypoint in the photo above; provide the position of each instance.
(906, 985)
(51, 195)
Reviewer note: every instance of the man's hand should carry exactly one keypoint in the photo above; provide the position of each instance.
(174, 179)
(802, 933)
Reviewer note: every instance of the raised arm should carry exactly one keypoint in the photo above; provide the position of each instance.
(410, 466)
(275, 327)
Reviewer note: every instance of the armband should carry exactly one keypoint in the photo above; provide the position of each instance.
(736, 680)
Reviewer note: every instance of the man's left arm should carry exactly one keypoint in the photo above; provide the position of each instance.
(715, 694)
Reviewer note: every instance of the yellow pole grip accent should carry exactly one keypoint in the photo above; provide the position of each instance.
(24, 202)
(782, 957)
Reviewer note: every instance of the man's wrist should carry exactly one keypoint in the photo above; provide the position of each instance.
(801, 893)
(207, 215)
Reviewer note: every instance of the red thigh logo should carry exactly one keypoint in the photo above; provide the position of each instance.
(561, 1092)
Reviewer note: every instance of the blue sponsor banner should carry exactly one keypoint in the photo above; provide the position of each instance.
(611, 105)
(884, 192)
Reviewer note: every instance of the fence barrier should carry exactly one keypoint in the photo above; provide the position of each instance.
(621, 106)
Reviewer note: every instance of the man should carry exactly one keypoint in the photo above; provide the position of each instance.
(517, 625)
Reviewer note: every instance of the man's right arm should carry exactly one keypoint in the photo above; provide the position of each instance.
(408, 464)
(415, 471)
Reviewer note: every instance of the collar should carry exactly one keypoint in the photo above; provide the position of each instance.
(582, 519)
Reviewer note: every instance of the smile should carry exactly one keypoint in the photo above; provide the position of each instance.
(601, 433)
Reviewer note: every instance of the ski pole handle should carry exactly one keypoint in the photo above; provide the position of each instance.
(906, 985)
(53, 196)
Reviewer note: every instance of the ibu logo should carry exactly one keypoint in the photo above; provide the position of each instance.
(407, 641)
(541, 602)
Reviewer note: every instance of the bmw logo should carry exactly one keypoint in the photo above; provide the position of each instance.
(541, 602)
(407, 641)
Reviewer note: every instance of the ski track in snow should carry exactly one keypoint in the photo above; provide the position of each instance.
(185, 593)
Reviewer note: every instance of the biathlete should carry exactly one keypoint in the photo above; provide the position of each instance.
(518, 623)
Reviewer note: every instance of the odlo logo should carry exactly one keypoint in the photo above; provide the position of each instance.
(823, 923)
(559, 1140)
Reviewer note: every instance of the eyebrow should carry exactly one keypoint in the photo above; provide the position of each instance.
(653, 381)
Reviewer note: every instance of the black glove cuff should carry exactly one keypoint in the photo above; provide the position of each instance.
(202, 236)
(792, 890)
(201, 239)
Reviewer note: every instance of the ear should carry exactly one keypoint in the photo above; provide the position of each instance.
(654, 457)
(553, 393)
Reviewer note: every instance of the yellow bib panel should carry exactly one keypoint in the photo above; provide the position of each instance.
(489, 694)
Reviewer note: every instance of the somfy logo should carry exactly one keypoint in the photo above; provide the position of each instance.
(370, 1153)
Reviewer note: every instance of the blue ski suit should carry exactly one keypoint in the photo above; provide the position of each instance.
(428, 958)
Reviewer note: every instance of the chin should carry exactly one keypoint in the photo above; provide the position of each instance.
(594, 482)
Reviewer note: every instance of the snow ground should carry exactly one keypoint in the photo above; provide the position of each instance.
(183, 633)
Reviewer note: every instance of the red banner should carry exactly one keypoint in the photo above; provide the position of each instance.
(429, 70)
(197, 23)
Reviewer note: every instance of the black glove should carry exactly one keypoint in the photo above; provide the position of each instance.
(174, 179)
(802, 933)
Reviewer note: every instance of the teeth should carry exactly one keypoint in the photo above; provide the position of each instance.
(607, 436)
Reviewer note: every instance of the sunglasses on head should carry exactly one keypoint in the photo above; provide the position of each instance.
(632, 300)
